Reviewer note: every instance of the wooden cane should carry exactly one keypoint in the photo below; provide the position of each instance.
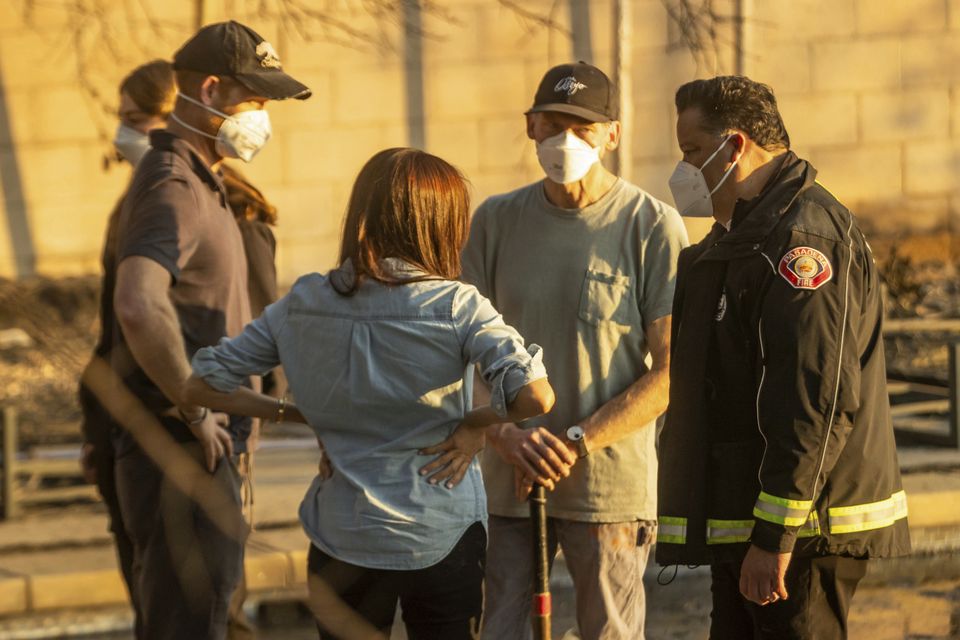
(540, 615)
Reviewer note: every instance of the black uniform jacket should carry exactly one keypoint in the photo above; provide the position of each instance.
(778, 431)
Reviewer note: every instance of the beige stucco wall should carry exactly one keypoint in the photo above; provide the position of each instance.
(870, 91)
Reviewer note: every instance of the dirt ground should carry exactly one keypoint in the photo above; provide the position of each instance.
(60, 318)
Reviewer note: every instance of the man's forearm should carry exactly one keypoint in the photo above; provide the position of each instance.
(637, 406)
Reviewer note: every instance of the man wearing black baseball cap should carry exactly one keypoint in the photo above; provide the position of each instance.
(181, 285)
(582, 263)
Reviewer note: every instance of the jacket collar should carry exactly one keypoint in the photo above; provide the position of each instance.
(755, 218)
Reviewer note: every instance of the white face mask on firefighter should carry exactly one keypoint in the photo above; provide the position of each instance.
(689, 188)
(241, 135)
(566, 157)
(131, 144)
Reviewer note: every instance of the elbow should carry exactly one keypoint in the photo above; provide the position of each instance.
(130, 310)
(544, 399)
(663, 398)
(195, 391)
(534, 399)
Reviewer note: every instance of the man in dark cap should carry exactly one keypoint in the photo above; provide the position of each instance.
(181, 285)
(582, 263)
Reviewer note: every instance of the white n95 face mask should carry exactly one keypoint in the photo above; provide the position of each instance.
(131, 144)
(566, 157)
(241, 135)
(689, 188)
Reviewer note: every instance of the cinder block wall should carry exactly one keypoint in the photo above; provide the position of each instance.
(870, 90)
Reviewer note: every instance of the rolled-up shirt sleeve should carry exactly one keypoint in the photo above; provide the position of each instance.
(504, 363)
(254, 352)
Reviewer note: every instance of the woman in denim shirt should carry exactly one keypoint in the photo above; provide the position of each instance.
(379, 354)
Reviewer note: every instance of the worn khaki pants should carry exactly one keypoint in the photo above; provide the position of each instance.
(605, 560)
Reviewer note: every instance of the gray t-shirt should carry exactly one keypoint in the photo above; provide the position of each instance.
(583, 284)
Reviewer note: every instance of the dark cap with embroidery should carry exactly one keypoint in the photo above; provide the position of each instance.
(235, 50)
(579, 89)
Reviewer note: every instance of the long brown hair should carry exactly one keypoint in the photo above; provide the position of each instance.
(153, 87)
(405, 204)
(245, 200)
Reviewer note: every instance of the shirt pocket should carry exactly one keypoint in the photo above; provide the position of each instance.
(606, 297)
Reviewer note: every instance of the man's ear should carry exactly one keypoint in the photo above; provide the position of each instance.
(739, 140)
(529, 118)
(613, 135)
(208, 90)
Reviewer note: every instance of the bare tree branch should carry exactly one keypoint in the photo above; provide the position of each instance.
(104, 38)
(537, 20)
(699, 27)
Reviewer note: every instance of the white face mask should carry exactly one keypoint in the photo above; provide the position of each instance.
(241, 135)
(131, 144)
(689, 188)
(566, 157)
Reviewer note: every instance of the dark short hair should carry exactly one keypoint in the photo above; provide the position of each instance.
(405, 204)
(736, 102)
(151, 86)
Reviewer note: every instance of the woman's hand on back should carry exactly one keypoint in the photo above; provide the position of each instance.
(455, 455)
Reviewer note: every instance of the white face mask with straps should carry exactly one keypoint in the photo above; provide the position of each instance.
(566, 157)
(241, 135)
(131, 144)
(690, 191)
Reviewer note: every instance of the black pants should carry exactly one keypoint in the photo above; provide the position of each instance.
(820, 591)
(441, 602)
(103, 463)
(185, 565)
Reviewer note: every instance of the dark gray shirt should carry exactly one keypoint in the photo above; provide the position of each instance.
(176, 214)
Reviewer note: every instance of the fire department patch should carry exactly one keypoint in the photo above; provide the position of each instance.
(805, 268)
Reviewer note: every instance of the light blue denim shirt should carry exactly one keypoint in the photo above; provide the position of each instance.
(380, 375)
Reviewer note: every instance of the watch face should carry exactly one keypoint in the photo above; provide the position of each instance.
(575, 433)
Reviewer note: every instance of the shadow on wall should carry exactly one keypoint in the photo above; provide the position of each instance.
(14, 204)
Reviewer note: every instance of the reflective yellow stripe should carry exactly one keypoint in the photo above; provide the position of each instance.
(672, 530)
(733, 531)
(790, 513)
(866, 517)
(810, 528)
(728, 531)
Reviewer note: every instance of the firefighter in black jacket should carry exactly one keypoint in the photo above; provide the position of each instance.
(777, 462)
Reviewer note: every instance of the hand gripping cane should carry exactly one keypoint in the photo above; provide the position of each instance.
(541, 566)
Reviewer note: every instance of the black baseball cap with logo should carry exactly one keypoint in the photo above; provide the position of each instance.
(235, 50)
(579, 89)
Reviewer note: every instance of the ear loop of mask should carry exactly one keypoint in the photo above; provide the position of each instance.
(174, 116)
(728, 171)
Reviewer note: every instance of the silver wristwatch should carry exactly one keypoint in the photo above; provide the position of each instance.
(577, 438)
